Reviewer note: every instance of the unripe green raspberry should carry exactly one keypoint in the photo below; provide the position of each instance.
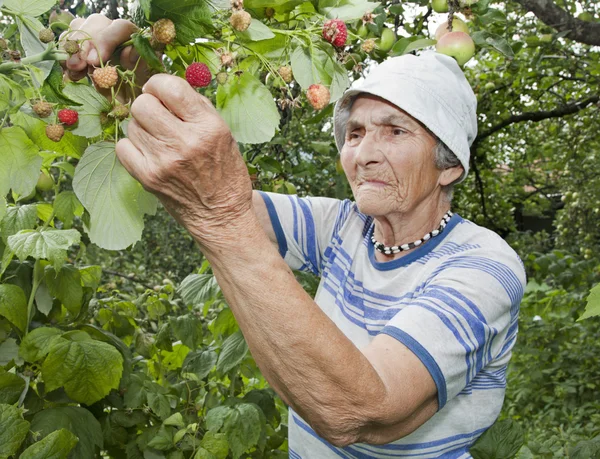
(221, 78)
(42, 108)
(46, 35)
(163, 31)
(71, 47)
(286, 73)
(120, 112)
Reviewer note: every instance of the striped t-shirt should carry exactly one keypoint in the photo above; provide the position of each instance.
(453, 301)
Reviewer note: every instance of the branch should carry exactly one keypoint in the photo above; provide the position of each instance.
(568, 109)
(554, 16)
(125, 276)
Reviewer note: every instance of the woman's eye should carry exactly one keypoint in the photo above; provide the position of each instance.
(398, 131)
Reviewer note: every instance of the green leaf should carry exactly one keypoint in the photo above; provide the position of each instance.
(586, 449)
(264, 399)
(29, 28)
(256, 32)
(200, 362)
(88, 370)
(13, 430)
(216, 444)
(347, 10)
(191, 18)
(11, 95)
(243, 427)
(592, 307)
(490, 40)
(198, 288)
(111, 196)
(215, 418)
(66, 207)
(144, 48)
(76, 420)
(65, 285)
(491, 15)
(2, 211)
(159, 403)
(274, 48)
(43, 299)
(419, 44)
(163, 440)
(57, 445)
(19, 162)
(225, 324)
(36, 345)
(233, 352)
(49, 243)
(11, 387)
(248, 108)
(9, 351)
(18, 218)
(69, 145)
(92, 104)
(188, 329)
(29, 7)
(13, 305)
(91, 276)
(501, 441)
(53, 86)
(174, 420)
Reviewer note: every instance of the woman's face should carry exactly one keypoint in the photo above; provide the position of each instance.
(388, 158)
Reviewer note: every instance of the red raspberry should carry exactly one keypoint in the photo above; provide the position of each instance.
(55, 132)
(198, 75)
(335, 32)
(105, 77)
(68, 116)
(318, 96)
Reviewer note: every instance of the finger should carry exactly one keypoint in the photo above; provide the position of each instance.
(119, 31)
(88, 31)
(145, 142)
(74, 25)
(179, 97)
(154, 118)
(132, 159)
(129, 57)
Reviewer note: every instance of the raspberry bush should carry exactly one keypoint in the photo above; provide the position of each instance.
(87, 367)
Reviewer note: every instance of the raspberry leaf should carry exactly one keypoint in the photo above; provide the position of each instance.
(66, 286)
(191, 18)
(57, 445)
(115, 201)
(13, 430)
(50, 244)
(144, 48)
(232, 353)
(346, 10)
(11, 95)
(13, 305)
(319, 66)
(11, 387)
(29, 29)
(29, 7)
(18, 218)
(256, 32)
(92, 104)
(248, 108)
(19, 162)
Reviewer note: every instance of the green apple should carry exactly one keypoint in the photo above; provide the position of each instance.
(439, 6)
(45, 182)
(546, 37)
(458, 25)
(458, 45)
(362, 31)
(586, 16)
(387, 40)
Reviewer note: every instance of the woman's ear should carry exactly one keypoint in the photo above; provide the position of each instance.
(451, 175)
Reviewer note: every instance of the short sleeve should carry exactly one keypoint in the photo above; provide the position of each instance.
(304, 227)
(464, 321)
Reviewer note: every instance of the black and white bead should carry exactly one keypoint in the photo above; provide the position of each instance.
(411, 245)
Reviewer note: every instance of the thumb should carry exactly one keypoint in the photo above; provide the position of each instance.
(118, 32)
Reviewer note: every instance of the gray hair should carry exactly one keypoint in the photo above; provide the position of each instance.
(445, 159)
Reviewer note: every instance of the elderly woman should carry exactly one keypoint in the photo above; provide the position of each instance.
(404, 350)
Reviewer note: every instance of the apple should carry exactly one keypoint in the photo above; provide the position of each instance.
(586, 16)
(45, 182)
(458, 25)
(458, 45)
(63, 16)
(362, 31)
(440, 6)
(387, 40)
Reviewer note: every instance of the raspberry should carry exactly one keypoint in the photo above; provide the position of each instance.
(71, 47)
(46, 35)
(240, 20)
(55, 132)
(335, 32)
(15, 55)
(68, 116)
(368, 45)
(286, 73)
(318, 96)
(105, 77)
(269, 12)
(221, 78)
(42, 108)
(3, 44)
(120, 112)
(198, 75)
(227, 59)
(163, 31)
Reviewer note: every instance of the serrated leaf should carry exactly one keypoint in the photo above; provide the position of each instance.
(491, 15)
(18, 218)
(13, 430)
(111, 197)
(11, 95)
(232, 353)
(198, 288)
(11, 387)
(91, 276)
(66, 207)
(13, 305)
(52, 89)
(225, 324)
(9, 351)
(57, 445)
(200, 363)
(92, 104)
(256, 31)
(243, 428)
(215, 418)
(419, 44)
(69, 145)
(19, 162)
(318, 65)
(159, 403)
(29, 28)
(144, 48)
(347, 10)
(77, 420)
(188, 329)
(592, 307)
(501, 441)
(216, 444)
(174, 420)
(490, 40)
(29, 7)
(49, 243)
(2, 210)
(36, 345)
(43, 299)
(191, 18)
(248, 108)
(65, 285)
(274, 48)
(44, 211)
(163, 440)
(88, 370)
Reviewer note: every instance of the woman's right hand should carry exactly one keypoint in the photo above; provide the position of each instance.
(100, 37)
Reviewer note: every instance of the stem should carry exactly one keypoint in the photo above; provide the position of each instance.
(47, 55)
(37, 280)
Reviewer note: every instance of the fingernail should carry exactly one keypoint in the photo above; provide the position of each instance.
(72, 61)
(92, 55)
(144, 88)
